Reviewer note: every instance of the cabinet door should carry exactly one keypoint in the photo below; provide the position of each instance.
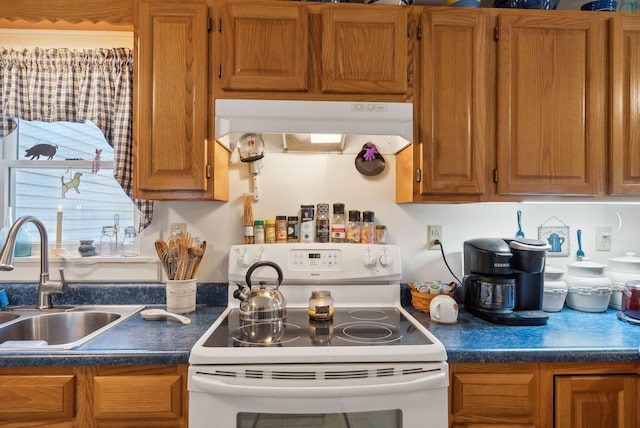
(264, 47)
(364, 50)
(494, 395)
(171, 153)
(624, 166)
(551, 112)
(595, 401)
(453, 140)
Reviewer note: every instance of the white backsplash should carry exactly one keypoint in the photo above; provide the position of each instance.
(289, 180)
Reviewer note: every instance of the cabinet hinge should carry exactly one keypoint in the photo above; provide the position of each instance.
(219, 71)
(495, 175)
(419, 35)
(219, 25)
(208, 170)
(418, 175)
(408, 30)
(496, 33)
(208, 24)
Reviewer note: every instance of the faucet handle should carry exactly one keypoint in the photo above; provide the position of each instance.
(64, 286)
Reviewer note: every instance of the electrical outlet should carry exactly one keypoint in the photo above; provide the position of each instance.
(603, 238)
(434, 232)
(178, 229)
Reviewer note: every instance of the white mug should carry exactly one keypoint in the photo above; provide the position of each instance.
(444, 309)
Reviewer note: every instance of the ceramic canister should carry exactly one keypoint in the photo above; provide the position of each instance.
(555, 289)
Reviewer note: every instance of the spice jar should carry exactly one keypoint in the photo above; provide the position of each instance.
(338, 225)
(307, 231)
(281, 228)
(270, 231)
(367, 232)
(322, 223)
(292, 229)
(381, 234)
(258, 231)
(353, 227)
(320, 305)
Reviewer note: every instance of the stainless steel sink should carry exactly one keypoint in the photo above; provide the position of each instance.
(6, 317)
(60, 328)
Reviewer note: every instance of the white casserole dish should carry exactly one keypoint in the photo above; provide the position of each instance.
(588, 299)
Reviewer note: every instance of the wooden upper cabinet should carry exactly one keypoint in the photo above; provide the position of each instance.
(171, 154)
(454, 142)
(624, 166)
(265, 47)
(364, 50)
(552, 104)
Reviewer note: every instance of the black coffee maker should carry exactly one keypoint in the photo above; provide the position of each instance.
(504, 280)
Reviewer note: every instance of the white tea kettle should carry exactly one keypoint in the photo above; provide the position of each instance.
(265, 304)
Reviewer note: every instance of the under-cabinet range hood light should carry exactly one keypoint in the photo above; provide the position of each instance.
(295, 125)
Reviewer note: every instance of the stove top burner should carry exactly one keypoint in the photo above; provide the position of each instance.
(349, 327)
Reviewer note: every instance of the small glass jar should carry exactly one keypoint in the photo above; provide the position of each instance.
(367, 231)
(321, 305)
(130, 243)
(353, 227)
(381, 234)
(108, 241)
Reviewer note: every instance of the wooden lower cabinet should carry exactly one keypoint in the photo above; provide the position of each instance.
(544, 395)
(90, 396)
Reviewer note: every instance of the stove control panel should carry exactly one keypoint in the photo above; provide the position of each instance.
(300, 263)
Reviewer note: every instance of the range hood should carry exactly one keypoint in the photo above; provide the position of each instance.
(289, 125)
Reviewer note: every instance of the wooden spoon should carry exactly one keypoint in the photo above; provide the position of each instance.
(195, 255)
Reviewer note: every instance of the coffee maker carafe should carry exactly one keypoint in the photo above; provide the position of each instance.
(504, 280)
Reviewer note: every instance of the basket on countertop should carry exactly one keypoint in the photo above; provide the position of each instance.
(422, 300)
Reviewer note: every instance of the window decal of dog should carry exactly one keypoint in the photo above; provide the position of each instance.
(73, 184)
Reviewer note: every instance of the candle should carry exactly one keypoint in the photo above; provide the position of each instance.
(59, 228)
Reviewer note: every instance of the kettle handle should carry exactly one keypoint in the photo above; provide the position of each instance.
(256, 265)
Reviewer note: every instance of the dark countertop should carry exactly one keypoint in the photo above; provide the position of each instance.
(569, 336)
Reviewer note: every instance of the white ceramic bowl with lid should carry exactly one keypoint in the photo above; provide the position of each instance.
(621, 270)
(555, 289)
(588, 289)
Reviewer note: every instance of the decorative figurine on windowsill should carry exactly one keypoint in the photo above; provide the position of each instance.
(41, 150)
(72, 184)
(95, 166)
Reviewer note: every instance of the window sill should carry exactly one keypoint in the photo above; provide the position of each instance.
(89, 269)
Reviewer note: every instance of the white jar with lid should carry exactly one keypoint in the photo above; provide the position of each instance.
(555, 289)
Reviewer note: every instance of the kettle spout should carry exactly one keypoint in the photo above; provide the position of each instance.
(240, 293)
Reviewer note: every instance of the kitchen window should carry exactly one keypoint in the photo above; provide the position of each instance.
(66, 166)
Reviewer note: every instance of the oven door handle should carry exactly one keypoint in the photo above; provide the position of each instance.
(216, 386)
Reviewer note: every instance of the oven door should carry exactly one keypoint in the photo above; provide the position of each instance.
(400, 395)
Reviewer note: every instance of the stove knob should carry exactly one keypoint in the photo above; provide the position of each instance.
(369, 259)
(386, 259)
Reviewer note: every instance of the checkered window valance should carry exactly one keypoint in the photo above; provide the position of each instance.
(75, 85)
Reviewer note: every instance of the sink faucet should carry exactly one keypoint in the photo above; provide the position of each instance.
(45, 287)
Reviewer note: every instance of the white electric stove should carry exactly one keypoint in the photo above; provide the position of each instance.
(371, 365)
